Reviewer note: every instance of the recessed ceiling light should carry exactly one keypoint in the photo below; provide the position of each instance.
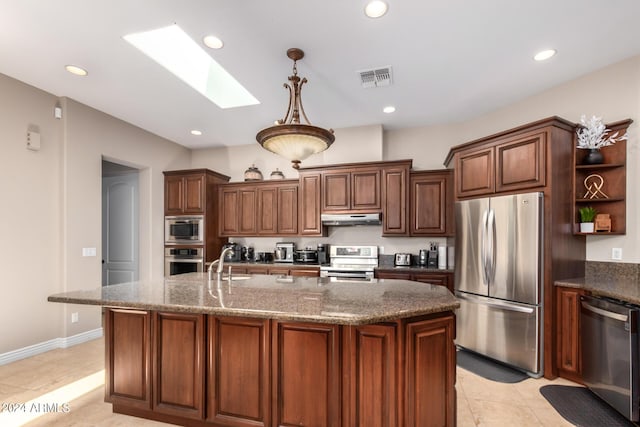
(196, 132)
(375, 9)
(181, 55)
(389, 109)
(213, 42)
(78, 71)
(544, 55)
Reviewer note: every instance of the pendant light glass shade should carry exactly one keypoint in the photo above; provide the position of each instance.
(288, 137)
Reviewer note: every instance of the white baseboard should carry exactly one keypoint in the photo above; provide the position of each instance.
(42, 347)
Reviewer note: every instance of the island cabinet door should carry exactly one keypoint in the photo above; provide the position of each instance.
(178, 368)
(128, 356)
(369, 376)
(430, 373)
(306, 374)
(238, 386)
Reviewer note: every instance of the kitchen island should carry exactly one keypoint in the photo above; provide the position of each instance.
(278, 350)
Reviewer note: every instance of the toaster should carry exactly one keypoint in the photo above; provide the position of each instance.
(402, 259)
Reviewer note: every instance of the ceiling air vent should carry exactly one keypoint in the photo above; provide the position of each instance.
(375, 77)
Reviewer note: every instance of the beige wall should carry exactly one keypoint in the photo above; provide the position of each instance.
(52, 208)
(613, 93)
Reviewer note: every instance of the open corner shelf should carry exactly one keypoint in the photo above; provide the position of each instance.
(614, 183)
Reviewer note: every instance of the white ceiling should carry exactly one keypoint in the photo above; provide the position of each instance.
(452, 59)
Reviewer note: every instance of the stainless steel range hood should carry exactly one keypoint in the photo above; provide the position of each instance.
(351, 219)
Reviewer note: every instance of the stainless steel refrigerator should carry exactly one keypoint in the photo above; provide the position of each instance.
(498, 279)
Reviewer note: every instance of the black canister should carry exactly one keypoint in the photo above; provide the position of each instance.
(423, 257)
(323, 254)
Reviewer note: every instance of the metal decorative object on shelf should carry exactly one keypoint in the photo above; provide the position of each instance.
(253, 174)
(594, 183)
(602, 223)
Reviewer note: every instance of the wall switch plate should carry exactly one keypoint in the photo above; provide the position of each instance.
(74, 317)
(616, 253)
(88, 251)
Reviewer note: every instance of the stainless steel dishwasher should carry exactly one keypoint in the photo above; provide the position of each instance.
(609, 332)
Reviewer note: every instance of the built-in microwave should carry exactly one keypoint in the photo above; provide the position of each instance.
(184, 230)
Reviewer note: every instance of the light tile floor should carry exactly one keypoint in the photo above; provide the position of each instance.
(480, 402)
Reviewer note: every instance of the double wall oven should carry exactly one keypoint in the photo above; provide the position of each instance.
(183, 245)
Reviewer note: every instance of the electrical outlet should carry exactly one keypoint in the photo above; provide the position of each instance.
(74, 317)
(616, 253)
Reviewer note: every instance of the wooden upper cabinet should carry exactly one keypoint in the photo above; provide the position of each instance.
(229, 219)
(259, 209)
(287, 210)
(337, 191)
(185, 192)
(267, 213)
(475, 172)
(247, 211)
(353, 190)
(395, 199)
(432, 203)
(514, 161)
(309, 206)
(520, 162)
(191, 192)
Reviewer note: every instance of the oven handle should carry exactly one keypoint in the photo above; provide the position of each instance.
(605, 313)
(178, 259)
(354, 274)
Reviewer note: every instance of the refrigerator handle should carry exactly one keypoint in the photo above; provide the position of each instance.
(491, 253)
(483, 247)
(496, 304)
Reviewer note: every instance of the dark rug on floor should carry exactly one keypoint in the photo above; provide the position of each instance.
(582, 408)
(489, 369)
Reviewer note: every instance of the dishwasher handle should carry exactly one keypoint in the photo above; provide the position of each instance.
(605, 313)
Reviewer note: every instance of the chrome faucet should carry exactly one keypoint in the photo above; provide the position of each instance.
(220, 262)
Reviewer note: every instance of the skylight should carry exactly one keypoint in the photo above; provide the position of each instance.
(177, 52)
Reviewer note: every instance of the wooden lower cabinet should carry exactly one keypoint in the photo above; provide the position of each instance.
(205, 370)
(430, 373)
(128, 357)
(569, 353)
(441, 279)
(178, 364)
(371, 384)
(306, 374)
(238, 381)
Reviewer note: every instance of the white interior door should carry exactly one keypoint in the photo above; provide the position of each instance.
(120, 228)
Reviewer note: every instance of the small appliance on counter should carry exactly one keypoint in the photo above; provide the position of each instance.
(402, 259)
(423, 257)
(236, 255)
(323, 254)
(432, 260)
(284, 252)
(306, 256)
(264, 257)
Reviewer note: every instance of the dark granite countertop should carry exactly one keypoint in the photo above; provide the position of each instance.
(608, 279)
(310, 299)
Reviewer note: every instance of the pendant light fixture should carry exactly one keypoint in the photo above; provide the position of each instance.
(288, 137)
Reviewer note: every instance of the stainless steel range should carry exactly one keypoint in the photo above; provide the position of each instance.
(351, 262)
